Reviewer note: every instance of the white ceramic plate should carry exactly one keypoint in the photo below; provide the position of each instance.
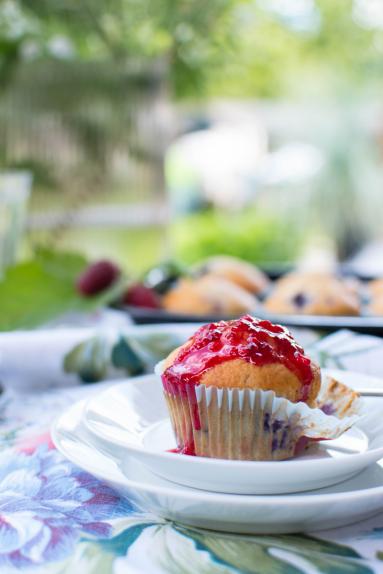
(131, 419)
(351, 501)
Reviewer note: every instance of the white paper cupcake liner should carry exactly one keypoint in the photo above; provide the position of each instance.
(247, 424)
(337, 399)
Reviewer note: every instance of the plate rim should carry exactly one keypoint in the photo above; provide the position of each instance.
(214, 462)
(289, 499)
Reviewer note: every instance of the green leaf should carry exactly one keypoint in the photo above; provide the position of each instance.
(276, 554)
(154, 347)
(124, 357)
(31, 295)
(119, 545)
(163, 548)
(97, 358)
(37, 291)
(90, 360)
(63, 265)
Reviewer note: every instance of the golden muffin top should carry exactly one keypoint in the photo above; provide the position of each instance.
(244, 353)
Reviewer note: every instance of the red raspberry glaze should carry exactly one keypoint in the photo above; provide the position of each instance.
(254, 340)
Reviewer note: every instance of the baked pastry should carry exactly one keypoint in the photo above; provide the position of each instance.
(206, 295)
(244, 389)
(375, 306)
(240, 272)
(248, 353)
(313, 294)
(375, 287)
(374, 293)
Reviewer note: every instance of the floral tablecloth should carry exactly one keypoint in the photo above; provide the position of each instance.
(55, 518)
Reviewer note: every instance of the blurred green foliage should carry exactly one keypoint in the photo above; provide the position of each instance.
(322, 51)
(43, 288)
(188, 35)
(75, 75)
(250, 235)
(219, 47)
(135, 249)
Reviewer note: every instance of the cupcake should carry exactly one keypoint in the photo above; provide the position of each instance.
(313, 294)
(242, 273)
(244, 389)
(208, 295)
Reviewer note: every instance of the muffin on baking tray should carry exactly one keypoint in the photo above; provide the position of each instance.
(375, 307)
(375, 287)
(240, 272)
(244, 389)
(313, 294)
(208, 294)
(375, 294)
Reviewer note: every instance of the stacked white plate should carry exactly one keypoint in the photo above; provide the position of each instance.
(123, 436)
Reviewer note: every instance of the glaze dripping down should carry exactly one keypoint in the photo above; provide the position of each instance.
(256, 341)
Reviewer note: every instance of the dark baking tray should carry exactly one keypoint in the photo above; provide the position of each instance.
(372, 325)
(362, 324)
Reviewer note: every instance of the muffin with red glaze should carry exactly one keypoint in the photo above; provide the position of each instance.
(211, 385)
(244, 389)
(245, 353)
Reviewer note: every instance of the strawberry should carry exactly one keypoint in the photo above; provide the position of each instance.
(139, 295)
(97, 277)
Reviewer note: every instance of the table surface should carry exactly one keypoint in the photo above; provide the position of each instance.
(56, 518)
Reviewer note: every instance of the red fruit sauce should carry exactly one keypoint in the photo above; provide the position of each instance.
(253, 340)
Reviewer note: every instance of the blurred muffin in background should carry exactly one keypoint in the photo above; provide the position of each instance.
(375, 287)
(240, 272)
(208, 294)
(313, 294)
(375, 294)
(376, 306)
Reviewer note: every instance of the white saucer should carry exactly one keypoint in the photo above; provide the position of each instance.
(351, 501)
(131, 419)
